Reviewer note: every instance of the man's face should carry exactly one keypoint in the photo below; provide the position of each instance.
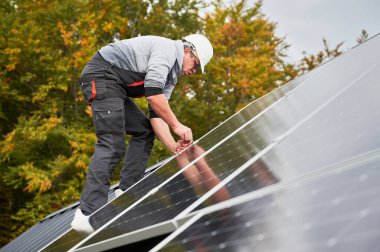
(190, 63)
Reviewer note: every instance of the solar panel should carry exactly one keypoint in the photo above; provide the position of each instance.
(71, 237)
(335, 212)
(311, 103)
(48, 229)
(28, 241)
(340, 130)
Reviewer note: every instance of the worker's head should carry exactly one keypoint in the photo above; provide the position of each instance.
(198, 52)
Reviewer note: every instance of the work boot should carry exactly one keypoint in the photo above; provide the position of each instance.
(118, 192)
(81, 222)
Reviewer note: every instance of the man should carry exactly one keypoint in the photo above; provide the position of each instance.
(144, 66)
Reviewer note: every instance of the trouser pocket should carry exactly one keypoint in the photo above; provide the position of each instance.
(109, 116)
(94, 89)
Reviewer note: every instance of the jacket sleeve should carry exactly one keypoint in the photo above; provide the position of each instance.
(161, 60)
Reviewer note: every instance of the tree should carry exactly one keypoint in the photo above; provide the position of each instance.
(310, 61)
(48, 174)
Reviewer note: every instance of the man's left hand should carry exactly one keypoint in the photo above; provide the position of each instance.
(179, 146)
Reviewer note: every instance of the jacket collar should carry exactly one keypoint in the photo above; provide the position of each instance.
(180, 53)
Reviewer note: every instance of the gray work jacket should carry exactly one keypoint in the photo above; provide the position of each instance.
(159, 59)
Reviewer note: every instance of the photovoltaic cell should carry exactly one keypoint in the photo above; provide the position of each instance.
(31, 240)
(72, 237)
(317, 97)
(338, 212)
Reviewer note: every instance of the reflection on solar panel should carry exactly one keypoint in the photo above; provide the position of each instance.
(306, 118)
(336, 212)
(340, 130)
(327, 116)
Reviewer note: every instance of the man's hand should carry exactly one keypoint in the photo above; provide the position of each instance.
(184, 133)
(180, 146)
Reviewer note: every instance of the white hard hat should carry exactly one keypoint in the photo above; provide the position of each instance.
(203, 48)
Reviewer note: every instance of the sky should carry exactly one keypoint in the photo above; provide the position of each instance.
(305, 22)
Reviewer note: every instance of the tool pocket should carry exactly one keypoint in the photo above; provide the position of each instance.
(109, 116)
(94, 89)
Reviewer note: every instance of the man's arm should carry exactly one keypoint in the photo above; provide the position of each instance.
(161, 129)
(161, 107)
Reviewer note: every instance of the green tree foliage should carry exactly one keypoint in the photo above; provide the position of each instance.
(311, 61)
(44, 164)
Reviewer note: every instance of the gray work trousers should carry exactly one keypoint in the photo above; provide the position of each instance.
(114, 115)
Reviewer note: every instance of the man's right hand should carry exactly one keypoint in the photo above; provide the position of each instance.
(184, 133)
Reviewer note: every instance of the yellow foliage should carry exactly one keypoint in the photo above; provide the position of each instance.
(66, 35)
(108, 27)
(78, 58)
(73, 144)
(55, 174)
(81, 164)
(8, 147)
(88, 111)
(37, 180)
(13, 57)
(42, 92)
(40, 132)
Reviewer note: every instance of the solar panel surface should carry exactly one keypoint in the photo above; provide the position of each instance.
(338, 212)
(342, 129)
